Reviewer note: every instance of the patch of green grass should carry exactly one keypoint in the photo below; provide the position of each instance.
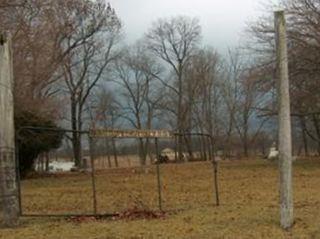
(248, 191)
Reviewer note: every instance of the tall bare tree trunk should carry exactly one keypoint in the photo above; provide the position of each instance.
(284, 134)
(304, 135)
(42, 160)
(188, 121)
(76, 136)
(188, 143)
(205, 148)
(8, 186)
(179, 118)
(175, 149)
(317, 128)
(142, 152)
(227, 149)
(47, 161)
(115, 153)
(107, 151)
(245, 142)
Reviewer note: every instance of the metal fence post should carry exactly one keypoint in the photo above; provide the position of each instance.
(93, 179)
(158, 174)
(215, 169)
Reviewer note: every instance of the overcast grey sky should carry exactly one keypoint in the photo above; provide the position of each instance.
(223, 21)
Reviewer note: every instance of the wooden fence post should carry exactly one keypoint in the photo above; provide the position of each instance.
(8, 186)
(284, 132)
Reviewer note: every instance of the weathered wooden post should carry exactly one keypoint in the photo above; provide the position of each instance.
(284, 132)
(8, 187)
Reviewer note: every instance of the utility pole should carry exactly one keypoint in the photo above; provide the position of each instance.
(8, 187)
(284, 132)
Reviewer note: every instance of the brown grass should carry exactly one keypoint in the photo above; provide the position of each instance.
(249, 203)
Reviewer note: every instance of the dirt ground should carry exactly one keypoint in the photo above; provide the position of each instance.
(248, 192)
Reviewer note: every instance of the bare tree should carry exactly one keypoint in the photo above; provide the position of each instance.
(251, 98)
(204, 94)
(42, 30)
(135, 73)
(84, 67)
(106, 113)
(231, 92)
(174, 41)
(303, 59)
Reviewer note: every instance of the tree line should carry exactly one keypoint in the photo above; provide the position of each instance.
(72, 66)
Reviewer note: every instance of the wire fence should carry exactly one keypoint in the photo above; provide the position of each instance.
(111, 178)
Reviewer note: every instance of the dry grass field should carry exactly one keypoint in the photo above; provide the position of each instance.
(248, 191)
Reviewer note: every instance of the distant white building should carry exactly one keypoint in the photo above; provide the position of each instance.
(57, 166)
(273, 152)
(170, 153)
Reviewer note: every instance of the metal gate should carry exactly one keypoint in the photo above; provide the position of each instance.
(89, 177)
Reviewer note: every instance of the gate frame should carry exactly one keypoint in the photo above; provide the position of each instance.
(156, 135)
(112, 133)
